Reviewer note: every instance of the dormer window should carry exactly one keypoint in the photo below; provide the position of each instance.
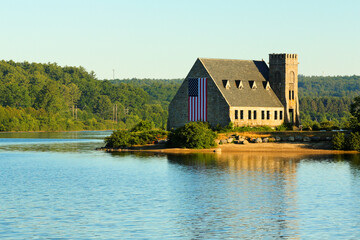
(226, 84)
(266, 85)
(252, 84)
(239, 84)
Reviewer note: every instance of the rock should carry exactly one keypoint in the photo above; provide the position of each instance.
(223, 141)
(245, 142)
(217, 141)
(162, 141)
(306, 139)
(291, 139)
(315, 139)
(265, 140)
(272, 139)
(258, 140)
(236, 142)
(237, 137)
(298, 138)
(278, 139)
(252, 140)
(230, 140)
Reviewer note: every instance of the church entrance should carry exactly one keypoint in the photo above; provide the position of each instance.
(291, 115)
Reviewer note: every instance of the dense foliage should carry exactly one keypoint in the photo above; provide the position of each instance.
(193, 135)
(47, 97)
(141, 134)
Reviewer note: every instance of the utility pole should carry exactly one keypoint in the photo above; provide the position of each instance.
(113, 74)
(116, 117)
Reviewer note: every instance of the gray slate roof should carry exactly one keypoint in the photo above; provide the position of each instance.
(245, 70)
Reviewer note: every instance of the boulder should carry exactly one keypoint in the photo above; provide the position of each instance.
(230, 140)
(252, 140)
(265, 140)
(298, 138)
(223, 141)
(306, 139)
(245, 142)
(272, 139)
(315, 139)
(291, 139)
(278, 139)
(258, 140)
(217, 141)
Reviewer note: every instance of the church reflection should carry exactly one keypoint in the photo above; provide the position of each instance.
(248, 184)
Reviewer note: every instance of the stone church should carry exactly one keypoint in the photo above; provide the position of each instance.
(244, 92)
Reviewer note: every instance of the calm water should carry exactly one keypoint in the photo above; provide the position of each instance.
(55, 186)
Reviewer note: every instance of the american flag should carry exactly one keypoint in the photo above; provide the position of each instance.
(197, 103)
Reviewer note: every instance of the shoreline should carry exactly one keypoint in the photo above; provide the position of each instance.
(280, 148)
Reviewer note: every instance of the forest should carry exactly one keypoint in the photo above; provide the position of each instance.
(48, 97)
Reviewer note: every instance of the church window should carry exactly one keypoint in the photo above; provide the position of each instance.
(290, 95)
(241, 114)
(292, 77)
(255, 114)
(239, 84)
(252, 84)
(236, 114)
(249, 114)
(281, 115)
(226, 84)
(267, 115)
(293, 95)
(262, 115)
(275, 115)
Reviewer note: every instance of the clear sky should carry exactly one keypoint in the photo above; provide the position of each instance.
(163, 38)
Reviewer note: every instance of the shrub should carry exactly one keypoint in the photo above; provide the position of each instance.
(316, 126)
(143, 126)
(124, 138)
(353, 141)
(193, 135)
(338, 141)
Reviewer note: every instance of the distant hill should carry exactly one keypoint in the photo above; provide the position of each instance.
(336, 86)
(48, 97)
(321, 98)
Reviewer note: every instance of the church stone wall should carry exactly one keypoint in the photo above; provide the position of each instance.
(217, 107)
(251, 122)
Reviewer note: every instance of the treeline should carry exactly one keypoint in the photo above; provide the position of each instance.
(161, 91)
(47, 97)
(327, 99)
(329, 86)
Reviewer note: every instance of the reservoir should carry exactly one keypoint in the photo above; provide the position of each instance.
(56, 186)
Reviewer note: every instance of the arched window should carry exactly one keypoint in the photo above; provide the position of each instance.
(292, 77)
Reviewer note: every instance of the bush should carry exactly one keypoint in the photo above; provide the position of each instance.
(143, 126)
(193, 135)
(338, 141)
(316, 126)
(353, 141)
(124, 138)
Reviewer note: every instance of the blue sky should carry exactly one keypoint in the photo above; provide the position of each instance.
(163, 38)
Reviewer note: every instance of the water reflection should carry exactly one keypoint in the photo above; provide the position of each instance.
(188, 196)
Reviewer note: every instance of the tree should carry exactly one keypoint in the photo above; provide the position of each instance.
(193, 135)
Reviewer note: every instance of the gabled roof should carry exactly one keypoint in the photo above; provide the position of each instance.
(246, 71)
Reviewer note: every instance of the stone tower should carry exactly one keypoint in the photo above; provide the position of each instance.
(283, 77)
